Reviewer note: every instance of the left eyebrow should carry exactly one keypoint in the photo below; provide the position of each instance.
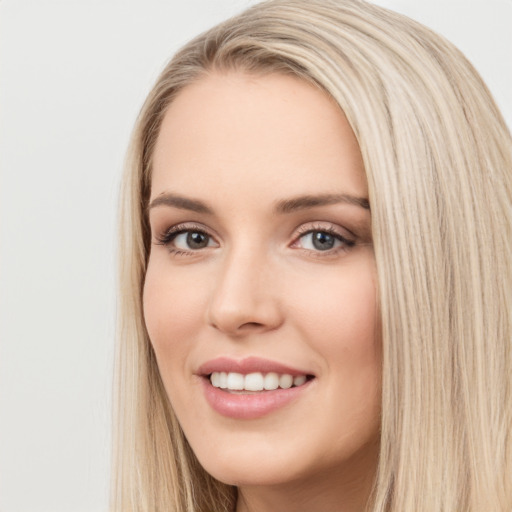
(310, 201)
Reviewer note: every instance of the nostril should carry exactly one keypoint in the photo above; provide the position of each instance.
(251, 325)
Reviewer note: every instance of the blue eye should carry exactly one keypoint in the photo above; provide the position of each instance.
(322, 240)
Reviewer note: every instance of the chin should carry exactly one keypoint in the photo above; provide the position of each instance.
(273, 463)
(248, 473)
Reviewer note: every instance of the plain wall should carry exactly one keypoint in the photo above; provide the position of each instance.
(73, 74)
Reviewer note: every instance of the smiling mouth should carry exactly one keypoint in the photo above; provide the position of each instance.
(255, 382)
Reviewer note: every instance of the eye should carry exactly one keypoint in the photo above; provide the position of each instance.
(183, 239)
(323, 240)
(192, 240)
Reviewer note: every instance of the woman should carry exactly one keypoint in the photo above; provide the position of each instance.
(316, 303)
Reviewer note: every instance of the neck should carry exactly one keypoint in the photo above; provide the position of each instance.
(342, 489)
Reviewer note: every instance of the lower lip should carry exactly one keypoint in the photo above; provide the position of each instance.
(250, 406)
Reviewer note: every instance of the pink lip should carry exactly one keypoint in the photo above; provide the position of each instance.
(248, 406)
(247, 365)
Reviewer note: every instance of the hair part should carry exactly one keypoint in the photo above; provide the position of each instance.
(438, 160)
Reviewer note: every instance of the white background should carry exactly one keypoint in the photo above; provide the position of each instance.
(73, 74)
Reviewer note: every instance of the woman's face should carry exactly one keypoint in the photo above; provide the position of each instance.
(262, 275)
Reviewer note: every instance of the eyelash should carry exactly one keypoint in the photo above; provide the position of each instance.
(169, 235)
(330, 230)
(173, 232)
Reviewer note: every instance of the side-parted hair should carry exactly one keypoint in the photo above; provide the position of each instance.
(438, 159)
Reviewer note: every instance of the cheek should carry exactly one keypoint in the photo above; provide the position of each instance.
(339, 311)
(356, 328)
(173, 310)
(340, 322)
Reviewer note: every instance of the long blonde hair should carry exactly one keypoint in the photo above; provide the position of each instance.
(438, 159)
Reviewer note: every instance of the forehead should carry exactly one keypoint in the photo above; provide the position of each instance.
(240, 131)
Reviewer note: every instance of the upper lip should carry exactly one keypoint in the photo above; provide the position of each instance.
(247, 365)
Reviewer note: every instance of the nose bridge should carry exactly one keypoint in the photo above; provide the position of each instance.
(244, 297)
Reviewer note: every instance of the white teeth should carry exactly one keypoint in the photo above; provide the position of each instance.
(255, 381)
(271, 381)
(298, 381)
(285, 381)
(215, 378)
(235, 381)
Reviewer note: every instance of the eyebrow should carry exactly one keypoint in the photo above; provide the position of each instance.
(311, 201)
(283, 206)
(180, 202)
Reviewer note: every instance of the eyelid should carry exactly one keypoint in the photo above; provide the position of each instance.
(166, 236)
(326, 227)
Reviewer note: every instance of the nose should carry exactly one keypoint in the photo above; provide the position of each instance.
(245, 298)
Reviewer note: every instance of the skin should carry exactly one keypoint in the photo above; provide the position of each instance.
(259, 287)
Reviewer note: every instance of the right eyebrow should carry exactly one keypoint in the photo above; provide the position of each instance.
(183, 203)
